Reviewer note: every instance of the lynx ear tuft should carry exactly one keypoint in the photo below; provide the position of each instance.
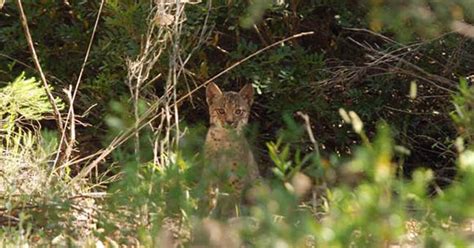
(212, 90)
(247, 93)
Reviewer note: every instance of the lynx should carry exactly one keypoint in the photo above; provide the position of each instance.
(230, 160)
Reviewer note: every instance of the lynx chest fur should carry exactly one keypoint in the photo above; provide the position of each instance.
(227, 151)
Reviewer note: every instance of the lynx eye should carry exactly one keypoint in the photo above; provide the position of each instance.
(220, 111)
(238, 111)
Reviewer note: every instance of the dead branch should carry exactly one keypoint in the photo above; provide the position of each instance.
(70, 115)
(396, 60)
(24, 23)
(309, 130)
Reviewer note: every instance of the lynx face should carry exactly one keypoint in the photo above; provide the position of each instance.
(229, 110)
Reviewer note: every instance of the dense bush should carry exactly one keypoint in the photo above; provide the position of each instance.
(385, 86)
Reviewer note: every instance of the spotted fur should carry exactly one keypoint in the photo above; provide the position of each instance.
(230, 161)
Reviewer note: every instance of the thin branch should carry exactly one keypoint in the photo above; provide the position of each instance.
(30, 67)
(70, 142)
(24, 23)
(72, 126)
(242, 61)
(428, 77)
(310, 132)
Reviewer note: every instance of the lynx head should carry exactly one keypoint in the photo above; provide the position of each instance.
(229, 109)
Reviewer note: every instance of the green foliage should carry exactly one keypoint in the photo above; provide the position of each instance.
(145, 196)
(31, 198)
(25, 99)
(425, 18)
(16, 237)
(374, 212)
(23, 102)
(462, 115)
(255, 12)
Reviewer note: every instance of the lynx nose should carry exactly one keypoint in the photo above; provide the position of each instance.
(229, 122)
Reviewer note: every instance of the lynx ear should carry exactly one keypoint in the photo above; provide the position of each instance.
(247, 93)
(212, 90)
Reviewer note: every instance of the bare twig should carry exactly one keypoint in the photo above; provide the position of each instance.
(305, 117)
(260, 36)
(89, 195)
(374, 34)
(296, 36)
(419, 72)
(24, 23)
(70, 114)
(141, 68)
(30, 67)
(391, 59)
(72, 126)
